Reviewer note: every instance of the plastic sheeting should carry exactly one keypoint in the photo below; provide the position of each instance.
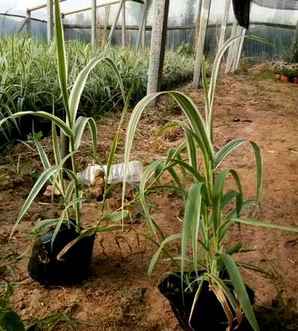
(278, 4)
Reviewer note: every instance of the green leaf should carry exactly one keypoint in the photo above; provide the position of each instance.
(216, 69)
(149, 173)
(259, 170)
(157, 254)
(200, 281)
(40, 183)
(226, 150)
(218, 198)
(192, 151)
(54, 119)
(239, 196)
(80, 127)
(192, 114)
(235, 249)
(88, 233)
(266, 225)
(61, 57)
(115, 216)
(196, 122)
(240, 289)
(191, 225)
(79, 85)
(42, 154)
(56, 145)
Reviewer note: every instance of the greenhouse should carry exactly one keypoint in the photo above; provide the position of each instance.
(148, 165)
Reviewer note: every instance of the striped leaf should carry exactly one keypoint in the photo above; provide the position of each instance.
(80, 126)
(226, 150)
(54, 119)
(240, 290)
(40, 183)
(61, 57)
(80, 83)
(191, 225)
(161, 247)
(266, 225)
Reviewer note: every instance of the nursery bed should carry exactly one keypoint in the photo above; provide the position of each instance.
(119, 295)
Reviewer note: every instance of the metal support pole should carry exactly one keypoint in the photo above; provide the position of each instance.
(115, 22)
(93, 24)
(239, 49)
(158, 43)
(224, 23)
(142, 27)
(123, 37)
(205, 11)
(231, 48)
(235, 49)
(50, 22)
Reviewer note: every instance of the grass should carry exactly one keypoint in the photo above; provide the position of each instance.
(28, 79)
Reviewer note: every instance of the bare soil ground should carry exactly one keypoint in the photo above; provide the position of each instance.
(119, 295)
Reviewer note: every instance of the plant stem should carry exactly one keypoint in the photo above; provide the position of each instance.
(77, 189)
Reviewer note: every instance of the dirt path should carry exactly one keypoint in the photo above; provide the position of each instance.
(119, 295)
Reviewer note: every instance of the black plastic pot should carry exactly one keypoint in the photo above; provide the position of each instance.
(72, 268)
(208, 313)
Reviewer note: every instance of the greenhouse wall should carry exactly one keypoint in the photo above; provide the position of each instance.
(182, 14)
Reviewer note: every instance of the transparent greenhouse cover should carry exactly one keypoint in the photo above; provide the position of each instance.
(278, 4)
(182, 12)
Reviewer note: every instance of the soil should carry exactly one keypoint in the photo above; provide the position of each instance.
(119, 295)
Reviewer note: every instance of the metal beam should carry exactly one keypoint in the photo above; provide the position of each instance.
(231, 50)
(93, 24)
(224, 23)
(106, 24)
(40, 7)
(142, 27)
(81, 10)
(124, 24)
(50, 21)
(240, 48)
(77, 11)
(115, 22)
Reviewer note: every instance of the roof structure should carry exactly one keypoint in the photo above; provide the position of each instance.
(278, 4)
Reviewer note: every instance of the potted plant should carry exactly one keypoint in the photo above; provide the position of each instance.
(205, 288)
(62, 252)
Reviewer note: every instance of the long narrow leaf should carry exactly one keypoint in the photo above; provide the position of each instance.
(61, 57)
(161, 247)
(240, 289)
(42, 155)
(80, 127)
(79, 85)
(41, 181)
(259, 170)
(266, 225)
(226, 150)
(61, 124)
(191, 224)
